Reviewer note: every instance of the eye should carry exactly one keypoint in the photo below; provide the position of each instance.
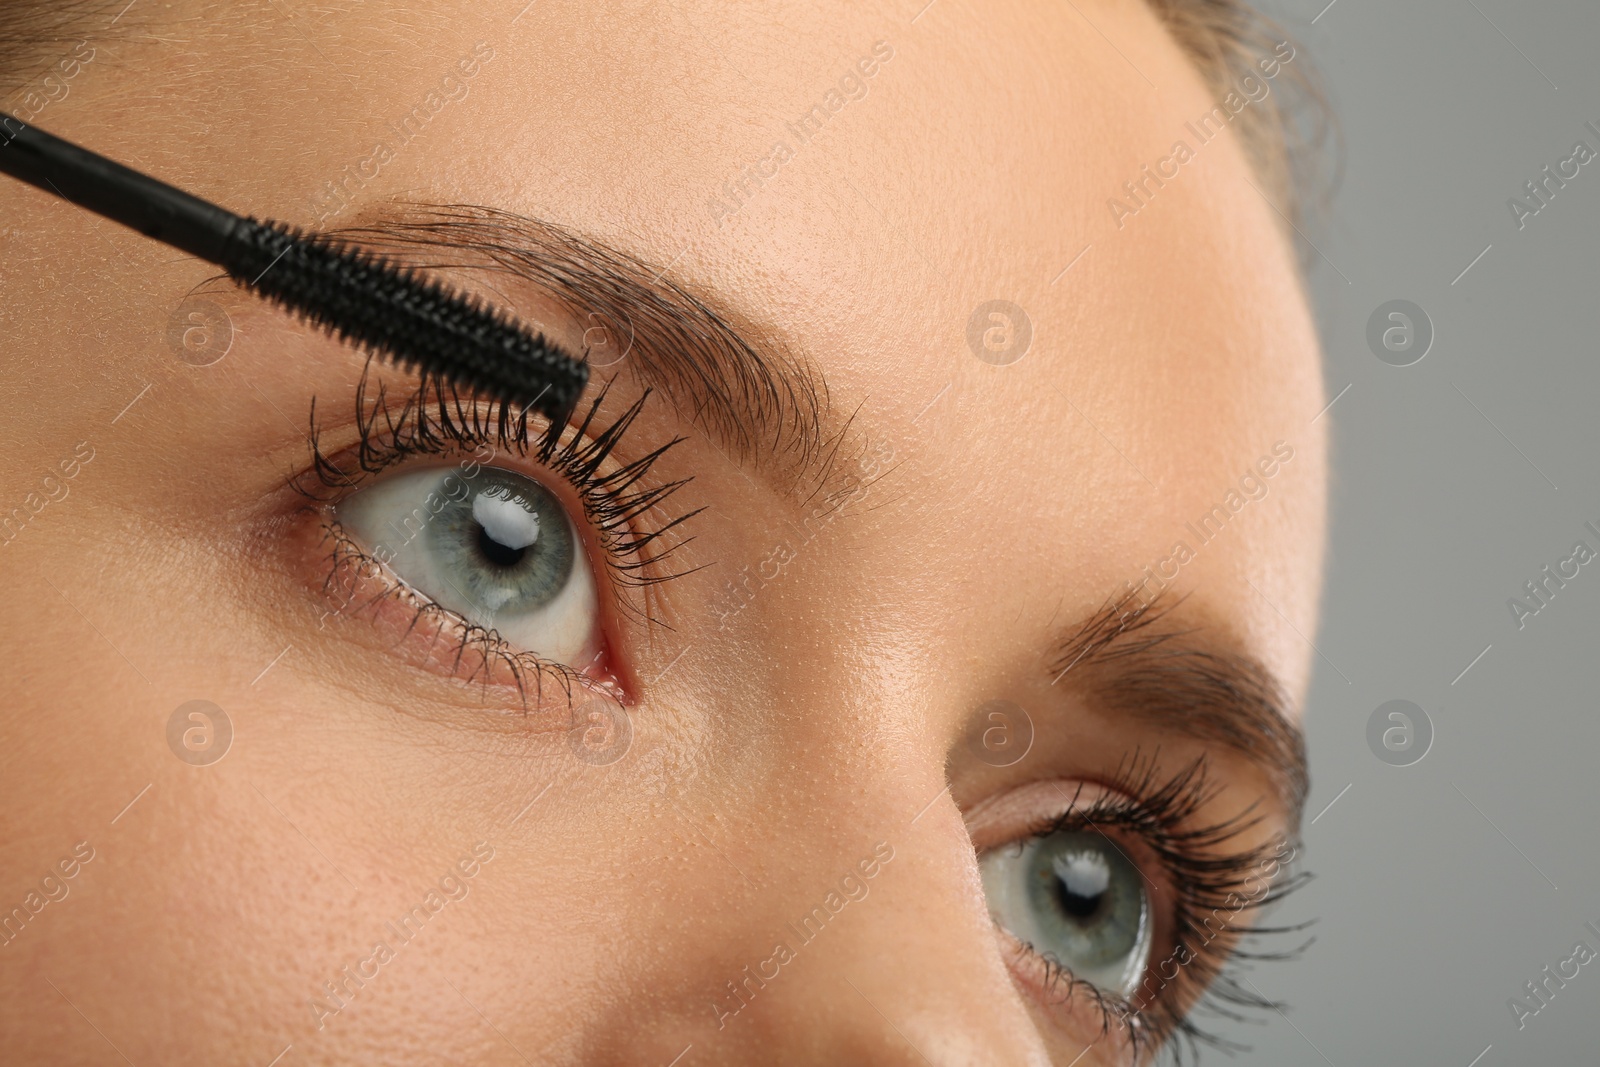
(1077, 901)
(495, 547)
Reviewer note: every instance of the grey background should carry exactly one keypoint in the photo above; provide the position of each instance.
(1444, 886)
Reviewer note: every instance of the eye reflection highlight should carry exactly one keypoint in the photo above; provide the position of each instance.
(1076, 900)
(497, 548)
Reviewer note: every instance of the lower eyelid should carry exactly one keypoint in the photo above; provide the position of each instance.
(357, 593)
(1078, 1010)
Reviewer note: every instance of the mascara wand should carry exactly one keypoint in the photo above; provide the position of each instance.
(372, 303)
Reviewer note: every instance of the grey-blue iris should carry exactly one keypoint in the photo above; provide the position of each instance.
(1089, 900)
(507, 547)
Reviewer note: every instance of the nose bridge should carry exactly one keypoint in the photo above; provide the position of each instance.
(869, 942)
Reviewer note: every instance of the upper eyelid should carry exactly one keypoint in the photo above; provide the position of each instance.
(431, 418)
(995, 811)
(613, 492)
(1183, 686)
(470, 419)
(761, 403)
(349, 475)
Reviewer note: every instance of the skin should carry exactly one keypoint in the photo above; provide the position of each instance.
(769, 756)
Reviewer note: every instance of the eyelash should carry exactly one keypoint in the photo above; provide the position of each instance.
(437, 419)
(1204, 874)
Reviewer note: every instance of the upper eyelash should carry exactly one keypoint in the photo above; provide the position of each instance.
(437, 418)
(1204, 873)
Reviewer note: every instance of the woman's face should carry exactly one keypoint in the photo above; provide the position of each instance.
(931, 699)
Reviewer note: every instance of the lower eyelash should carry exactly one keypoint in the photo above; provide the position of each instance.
(1209, 881)
(437, 420)
(486, 656)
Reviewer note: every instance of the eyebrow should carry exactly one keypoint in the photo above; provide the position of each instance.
(769, 410)
(1181, 685)
(762, 405)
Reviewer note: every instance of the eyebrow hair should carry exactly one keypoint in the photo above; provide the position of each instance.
(763, 405)
(1185, 686)
(770, 409)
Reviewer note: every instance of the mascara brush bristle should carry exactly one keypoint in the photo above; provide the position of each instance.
(387, 310)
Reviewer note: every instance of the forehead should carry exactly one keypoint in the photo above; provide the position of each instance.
(899, 196)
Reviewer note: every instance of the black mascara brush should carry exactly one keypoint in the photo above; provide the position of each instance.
(372, 303)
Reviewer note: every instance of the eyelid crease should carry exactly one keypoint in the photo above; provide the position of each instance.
(1179, 685)
(765, 406)
(992, 822)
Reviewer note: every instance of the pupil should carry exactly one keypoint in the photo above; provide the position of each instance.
(496, 553)
(1077, 905)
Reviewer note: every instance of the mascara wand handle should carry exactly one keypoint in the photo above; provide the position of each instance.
(371, 303)
(119, 193)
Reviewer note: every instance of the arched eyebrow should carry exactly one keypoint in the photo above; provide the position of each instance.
(765, 407)
(770, 411)
(1180, 683)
